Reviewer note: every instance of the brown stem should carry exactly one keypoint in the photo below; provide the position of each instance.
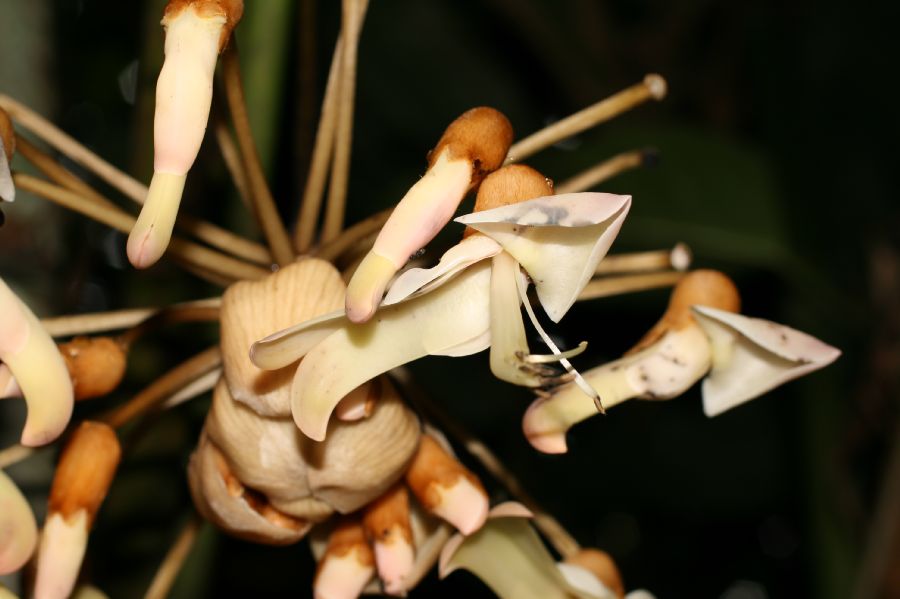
(335, 248)
(171, 565)
(678, 258)
(308, 216)
(99, 322)
(231, 156)
(653, 86)
(601, 172)
(116, 218)
(14, 454)
(263, 202)
(163, 387)
(168, 316)
(610, 286)
(353, 12)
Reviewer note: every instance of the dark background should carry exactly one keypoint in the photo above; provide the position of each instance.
(778, 147)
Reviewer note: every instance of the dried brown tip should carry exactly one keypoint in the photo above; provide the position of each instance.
(601, 565)
(511, 184)
(481, 135)
(232, 10)
(699, 287)
(85, 470)
(7, 134)
(96, 365)
(447, 488)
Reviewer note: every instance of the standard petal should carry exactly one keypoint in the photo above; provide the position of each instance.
(751, 356)
(509, 557)
(38, 368)
(558, 240)
(440, 321)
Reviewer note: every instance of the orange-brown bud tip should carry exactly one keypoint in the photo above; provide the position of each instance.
(232, 10)
(601, 565)
(7, 134)
(705, 288)
(96, 365)
(85, 470)
(511, 184)
(481, 135)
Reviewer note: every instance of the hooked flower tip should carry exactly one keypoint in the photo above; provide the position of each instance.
(367, 287)
(151, 233)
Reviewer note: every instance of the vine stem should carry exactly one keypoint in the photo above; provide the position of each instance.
(193, 253)
(165, 386)
(99, 322)
(171, 565)
(214, 235)
(610, 286)
(353, 13)
(263, 202)
(653, 86)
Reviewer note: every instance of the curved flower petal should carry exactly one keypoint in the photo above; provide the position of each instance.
(38, 368)
(539, 234)
(751, 356)
(509, 557)
(18, 529)
(441, 321)
(464, 254)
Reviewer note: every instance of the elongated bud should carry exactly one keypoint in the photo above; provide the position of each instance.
(196, 31)
(96, 365)
(387, 525)
(18, 530)
(7, 149)
(347, 565)
(83, 476)
(447, 488)
(39, 370)
(472, 146)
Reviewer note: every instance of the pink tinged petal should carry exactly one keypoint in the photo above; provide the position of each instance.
(183, 98)
(39, 370)
(462, 504)
(356, 405)
(395, 561)
(8, 385)
(751, 356)
(418, 217)
(558, 240)
(664, 370)
(7, 189)
(63, 543)
(509, 557)
(18, 529)
(342, 577)
(432, 324)
(467, 252)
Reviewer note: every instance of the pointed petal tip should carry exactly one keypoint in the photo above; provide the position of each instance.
(152, 232)
(463, 505)
(367, 286)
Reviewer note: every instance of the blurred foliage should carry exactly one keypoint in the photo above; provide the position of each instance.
(776, 144)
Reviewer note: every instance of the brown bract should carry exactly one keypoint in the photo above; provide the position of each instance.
(388, 516)
(232, 10)
(700, 287)
(85, 470)
(348, 535)
(482, 136)
(96, 365)
(601, 565)
(7, 134)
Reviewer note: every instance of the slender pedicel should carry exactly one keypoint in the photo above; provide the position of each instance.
(669, 359)
(347, 565)
(196, 31)
(472, 146)
(39, 370)
(18, 529)
(85, 470)
(387, 525)
(7, 148)
(447, 488)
